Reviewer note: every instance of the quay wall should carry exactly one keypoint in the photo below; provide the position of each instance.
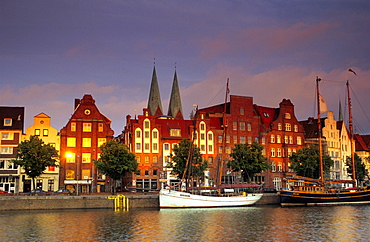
(93, 202)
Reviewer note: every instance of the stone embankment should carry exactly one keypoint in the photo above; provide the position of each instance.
(92, 201)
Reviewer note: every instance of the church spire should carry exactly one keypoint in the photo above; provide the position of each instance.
(175, 106)
(154, 102)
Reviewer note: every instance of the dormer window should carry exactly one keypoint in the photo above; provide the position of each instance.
(266, 115)
(7, 122)
(175, 132)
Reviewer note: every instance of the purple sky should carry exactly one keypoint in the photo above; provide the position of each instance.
(52, 52)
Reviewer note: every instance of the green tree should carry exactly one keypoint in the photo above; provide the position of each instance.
(196, 166)
(115, 160)
(34, 156)
(306, 162)
(361, 171)
(248, 159)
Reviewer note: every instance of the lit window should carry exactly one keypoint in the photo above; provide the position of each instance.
(278, 139)
(71, 142)
(288, 127)
(70, 157)
(272, 152)
(289, 151)
(280, 167)
(287, 116)
(286, 139)
(272, 138)
(249, 127)
(86, 157)
(155, 159)
(7, 136)
(100, 127)
(86, 127)
(175, 132)
(249, 139)
(101, 141)
(220, 139)
(242, 125)
(85, 173)
(86, 142)
(278, 152)
(295, 128)
(37, 132)
(299, 140)
(146, 159)
(263, 140)
(70, 174)
(242, 139)
(45, 132)
(290, 139)
(6, 150)
(279, 126)
(7, 122)
(73, 127)
(138, 159)
(273, 166)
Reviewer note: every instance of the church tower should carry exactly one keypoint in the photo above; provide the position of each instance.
(175, 106)
(154, 102)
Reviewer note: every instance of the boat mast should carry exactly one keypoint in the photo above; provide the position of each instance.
(351, 135)
(224, 125)
(319, 130)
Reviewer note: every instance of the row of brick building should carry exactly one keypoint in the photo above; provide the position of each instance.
(153, 134)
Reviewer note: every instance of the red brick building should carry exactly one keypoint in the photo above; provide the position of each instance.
(80, 140)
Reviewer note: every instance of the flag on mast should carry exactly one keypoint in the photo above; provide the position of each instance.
(323, 106)
(350, 70)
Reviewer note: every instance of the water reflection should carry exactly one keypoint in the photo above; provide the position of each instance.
(224, 224)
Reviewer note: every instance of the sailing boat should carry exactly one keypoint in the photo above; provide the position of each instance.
(314, 192)
(178, 199)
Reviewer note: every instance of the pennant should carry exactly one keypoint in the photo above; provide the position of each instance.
(350, 70)
(323, 106)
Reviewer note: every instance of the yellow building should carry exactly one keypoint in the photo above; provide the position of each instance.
(50, 179)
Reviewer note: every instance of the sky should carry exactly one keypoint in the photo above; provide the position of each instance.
(52, 52)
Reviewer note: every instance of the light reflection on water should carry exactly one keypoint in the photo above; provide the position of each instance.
(343, 223)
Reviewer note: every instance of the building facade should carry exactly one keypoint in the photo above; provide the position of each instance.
(49, 180)
(11, 134)
(80, 139)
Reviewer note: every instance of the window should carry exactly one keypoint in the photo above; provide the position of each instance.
(299, 140)
(235, 139)
(37, 132)
(273, 166)
(272, 152)
(70, 174)
(2, 164)
(279, 126)
(146, 159)
(155, 146)
(249, 127)
(146, 134)
(202, 136)
(210, 160)
(249, 139)
(155, 134)
(210, 137)
(86, 174)
(7, 136)
(146, 124)
(70, 157)
(210, 148)
(242, 139)
(272, 138)
(278, 139)
(175, 132)
(51, 185)
(241, 111)
(280, 167)
(146, 146)
(86, 157)
(288, 127)
(166, 146)
(138, 146)
(86, 127)
(202, 148)
(138, 159)
(45, 132)
(295, 128)
(242, 125)
(227, 138)
(202, 126)
(138, 134)
(100, 127)
(71, 142)
(266, 115)
(278, 152)
(220, 139)
(286, 139)
(289, 151)
(73, 126)
(287, 116)
(263, 140)
(290, 139)
(155, 159)
(235, 126)
(86, 142)
(101, 141)
(7, 122)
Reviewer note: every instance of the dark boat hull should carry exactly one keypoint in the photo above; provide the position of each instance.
(300, 198)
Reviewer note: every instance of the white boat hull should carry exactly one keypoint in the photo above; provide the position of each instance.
(176, 199)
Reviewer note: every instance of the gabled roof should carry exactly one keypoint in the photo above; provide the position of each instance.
(311, 128)
(267, 115)
(360, 143)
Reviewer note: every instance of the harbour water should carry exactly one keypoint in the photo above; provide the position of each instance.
(265, 223)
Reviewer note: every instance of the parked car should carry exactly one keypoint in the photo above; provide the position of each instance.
(37, 191)
(62, 191)
(4, 192)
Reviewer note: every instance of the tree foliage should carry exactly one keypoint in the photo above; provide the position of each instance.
(180, 155)
(115, 160)
(361, 171)
(34, 157)
(248, 159)
(306, 162)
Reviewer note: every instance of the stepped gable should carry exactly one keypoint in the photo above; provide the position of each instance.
(175, 106)
(154, 101)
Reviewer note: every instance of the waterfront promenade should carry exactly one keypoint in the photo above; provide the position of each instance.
(51, 202)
